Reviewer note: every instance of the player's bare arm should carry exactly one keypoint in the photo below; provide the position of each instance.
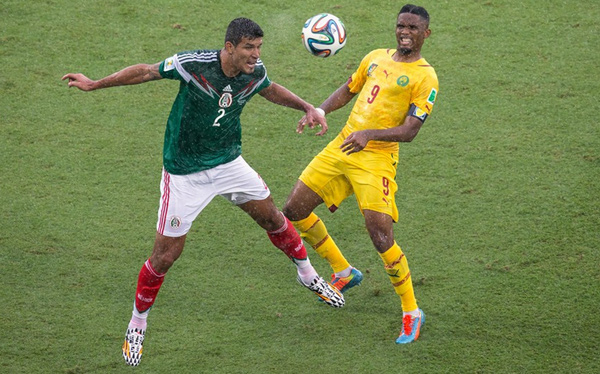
(358, 140)
(278, 94)
(134, 74)
(336, 100)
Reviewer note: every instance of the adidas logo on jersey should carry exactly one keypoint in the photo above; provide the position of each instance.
(227, 89)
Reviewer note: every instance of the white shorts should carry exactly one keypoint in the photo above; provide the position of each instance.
(183, 197)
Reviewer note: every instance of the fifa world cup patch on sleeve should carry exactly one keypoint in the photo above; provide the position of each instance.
(169, 64)
(415, 111)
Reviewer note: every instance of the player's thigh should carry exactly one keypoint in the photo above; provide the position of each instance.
(301, 202)
(182, 198)
(325, 175)
(239, 183)
(375, 187)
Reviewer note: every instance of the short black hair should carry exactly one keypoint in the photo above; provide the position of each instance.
(242, 28)
(415, 9)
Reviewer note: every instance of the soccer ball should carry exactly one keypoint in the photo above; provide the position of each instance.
(324, 35)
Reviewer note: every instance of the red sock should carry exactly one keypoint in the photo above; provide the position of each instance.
(149, 282)
(287, 239)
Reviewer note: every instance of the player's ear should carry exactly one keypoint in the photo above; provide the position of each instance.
(229, 47)
(427, 32)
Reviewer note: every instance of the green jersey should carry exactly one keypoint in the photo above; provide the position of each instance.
(204, 129)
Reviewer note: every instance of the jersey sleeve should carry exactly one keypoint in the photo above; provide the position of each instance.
(170, 67)
(359, 77)
(265, 81)
(425, 94)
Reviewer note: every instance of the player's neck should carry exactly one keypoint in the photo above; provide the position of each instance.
(227, 65)
(410, 57)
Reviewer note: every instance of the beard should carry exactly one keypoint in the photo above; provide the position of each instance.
(405, 51)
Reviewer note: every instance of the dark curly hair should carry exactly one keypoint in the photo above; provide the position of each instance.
(242, 28)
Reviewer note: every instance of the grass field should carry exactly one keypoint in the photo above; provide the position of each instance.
(499, 196)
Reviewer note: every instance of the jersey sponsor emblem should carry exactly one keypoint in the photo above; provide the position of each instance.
(225, 100)
(371, 69)
(403, 81)
(227, 89)
(169, 64)
(432, 96)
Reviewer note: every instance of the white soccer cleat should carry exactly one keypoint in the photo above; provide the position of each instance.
(133, 346)
(325, 291)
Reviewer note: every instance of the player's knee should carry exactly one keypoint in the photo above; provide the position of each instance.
(382, 239)
(382, 246)
(166, 251)
(293, 214)
(289, 213)
(162, 262)
(271, 223)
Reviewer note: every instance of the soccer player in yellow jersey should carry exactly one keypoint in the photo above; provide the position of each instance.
(396, 91)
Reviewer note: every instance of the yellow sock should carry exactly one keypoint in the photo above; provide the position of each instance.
(313, 230)
(396, 266)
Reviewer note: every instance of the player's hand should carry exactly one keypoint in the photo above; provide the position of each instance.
(355, 142)
(312, 118)
(80, 81)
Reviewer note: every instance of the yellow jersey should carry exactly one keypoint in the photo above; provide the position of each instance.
(387, 90)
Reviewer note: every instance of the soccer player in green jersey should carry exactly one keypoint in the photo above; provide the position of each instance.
(396, 90)
(202, 158)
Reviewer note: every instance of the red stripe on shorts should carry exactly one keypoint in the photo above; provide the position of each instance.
(164, 206)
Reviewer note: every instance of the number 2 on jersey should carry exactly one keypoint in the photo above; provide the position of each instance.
(221, 114)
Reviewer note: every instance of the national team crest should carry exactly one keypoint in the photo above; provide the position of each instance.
(371, 69)
(403, 81)
(175, 222)
(225, 100)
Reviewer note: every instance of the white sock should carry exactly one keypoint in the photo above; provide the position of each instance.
(344, 273)
(138, 320)
(306, 272)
